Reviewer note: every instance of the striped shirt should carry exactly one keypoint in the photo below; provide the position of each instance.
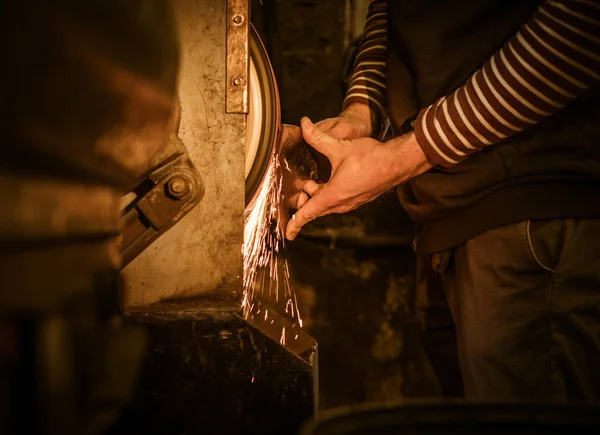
(367, 83)
(552, 60)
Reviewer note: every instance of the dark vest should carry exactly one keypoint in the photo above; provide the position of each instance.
(549, 171)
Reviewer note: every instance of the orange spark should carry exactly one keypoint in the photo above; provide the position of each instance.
(264, 243)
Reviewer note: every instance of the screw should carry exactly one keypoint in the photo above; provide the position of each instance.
(238, 19)
(178, 187)
(237, 81)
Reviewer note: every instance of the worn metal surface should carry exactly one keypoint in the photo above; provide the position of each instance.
(296, 153)
(217, 375)
(164, 196)
(238, 19)
(201, 255)
(283, 330)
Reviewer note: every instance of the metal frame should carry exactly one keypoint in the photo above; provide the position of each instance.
(238, 18)
(164, 196)
(201, 255)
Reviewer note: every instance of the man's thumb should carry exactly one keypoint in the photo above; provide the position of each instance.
(318, 139)
(309, 211)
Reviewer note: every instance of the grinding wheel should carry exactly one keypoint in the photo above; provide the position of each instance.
(264, 115)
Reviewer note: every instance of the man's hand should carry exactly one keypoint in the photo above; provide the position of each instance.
(357, 120)
(354, 122)
(362, 170)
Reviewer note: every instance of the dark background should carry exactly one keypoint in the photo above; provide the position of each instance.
(354, 273)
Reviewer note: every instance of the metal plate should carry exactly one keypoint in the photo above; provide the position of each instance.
(201, 256)
(264, 115)
(236, 96)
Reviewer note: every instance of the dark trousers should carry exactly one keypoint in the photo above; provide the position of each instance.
(515, 313)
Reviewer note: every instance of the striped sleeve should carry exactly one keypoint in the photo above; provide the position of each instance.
(367, 84)
(552, 60)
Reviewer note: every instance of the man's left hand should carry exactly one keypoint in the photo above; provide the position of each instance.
(362, 170)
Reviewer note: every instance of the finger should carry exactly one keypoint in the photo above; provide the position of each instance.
(291, 201)
(302, 198)
(319, 140)
(327, 124)
(312, 209)
(311, 187)
(295, 201)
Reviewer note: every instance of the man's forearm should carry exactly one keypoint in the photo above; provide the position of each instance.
(553, 59)
(367, 84)
(407, 158)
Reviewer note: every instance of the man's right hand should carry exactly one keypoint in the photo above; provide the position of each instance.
(356, 121)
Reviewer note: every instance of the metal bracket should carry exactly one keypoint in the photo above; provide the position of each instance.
(236, 88)
(164, 196)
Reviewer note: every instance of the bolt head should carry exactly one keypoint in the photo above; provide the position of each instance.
(178, 187)
(238, 19)
(237, 81)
